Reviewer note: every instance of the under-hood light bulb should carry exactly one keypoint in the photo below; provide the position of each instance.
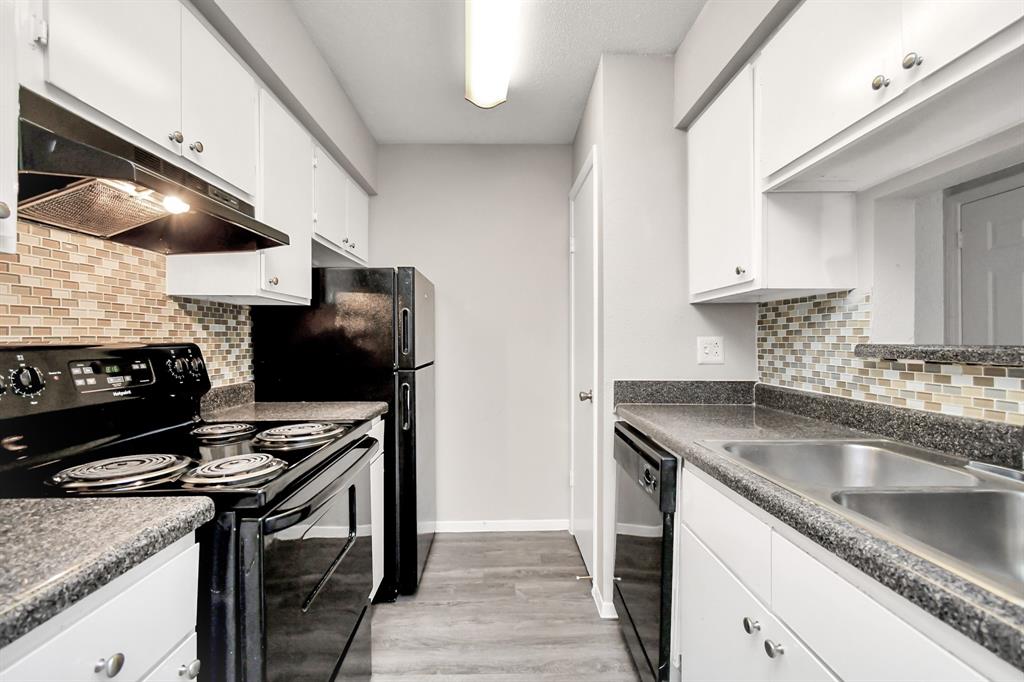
(491, 37)
(175, 205)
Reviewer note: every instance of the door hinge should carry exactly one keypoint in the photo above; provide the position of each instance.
(959, 239)
(316, 217)
(40, 31)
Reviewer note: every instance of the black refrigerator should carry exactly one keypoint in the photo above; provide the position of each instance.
(368, 335)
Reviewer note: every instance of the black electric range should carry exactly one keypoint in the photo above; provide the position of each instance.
(285, 566)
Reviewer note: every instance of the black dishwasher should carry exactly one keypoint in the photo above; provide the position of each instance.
(645, 508)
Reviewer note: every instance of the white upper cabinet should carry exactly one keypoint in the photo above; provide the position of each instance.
(155, 68)
(935, 33)
(818, 74)
(218, 107)
(720, 158)
(122, 58)
(285, 197)
(341, 211)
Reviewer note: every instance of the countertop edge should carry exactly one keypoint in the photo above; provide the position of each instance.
(942, 594)
(297, 411)
(58, 595)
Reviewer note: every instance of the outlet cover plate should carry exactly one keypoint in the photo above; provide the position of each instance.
(710, 350)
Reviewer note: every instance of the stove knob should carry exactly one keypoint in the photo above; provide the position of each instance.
(196, 365)
(177, 368)
(27, 382)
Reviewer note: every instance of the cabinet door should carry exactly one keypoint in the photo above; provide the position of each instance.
(286, 198)
(330, 191)
(814, 77)
(218, 107)
(181, 665)
(122, 58)
(714, 642)
(357, 220)
(939, 31)
(720, 160)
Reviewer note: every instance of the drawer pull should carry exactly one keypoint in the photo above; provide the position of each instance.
(750, 626)
(772, 649)
(110, 666)
(190, 671)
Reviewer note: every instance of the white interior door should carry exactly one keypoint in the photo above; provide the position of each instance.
(992, 269)
(583, 222)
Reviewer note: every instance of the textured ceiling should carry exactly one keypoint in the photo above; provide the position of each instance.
(402, 62)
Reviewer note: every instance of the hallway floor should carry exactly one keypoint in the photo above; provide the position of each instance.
(499, 607)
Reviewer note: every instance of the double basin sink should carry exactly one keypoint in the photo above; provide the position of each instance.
(968, 518)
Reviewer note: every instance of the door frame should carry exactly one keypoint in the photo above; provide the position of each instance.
(589, 168)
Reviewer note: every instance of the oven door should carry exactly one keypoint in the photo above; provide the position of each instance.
(644, 513)
(317, 574)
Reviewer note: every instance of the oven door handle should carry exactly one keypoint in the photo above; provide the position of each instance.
(291, 516)
(330, 571)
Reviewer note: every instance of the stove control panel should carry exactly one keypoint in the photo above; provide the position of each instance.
(110, 374)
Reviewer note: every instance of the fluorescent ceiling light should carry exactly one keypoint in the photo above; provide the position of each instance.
(491, 36)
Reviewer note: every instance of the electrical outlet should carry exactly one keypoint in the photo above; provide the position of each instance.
(710, 350)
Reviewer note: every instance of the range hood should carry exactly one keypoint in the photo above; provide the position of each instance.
(77, 176)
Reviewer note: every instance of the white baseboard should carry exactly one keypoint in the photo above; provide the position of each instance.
(605, 609)
(637, 530)
(508, 525)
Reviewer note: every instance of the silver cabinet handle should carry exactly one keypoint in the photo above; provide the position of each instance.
(772, 649)
(587, 395)
(175, 136)
(190, 671)
(197, 147)
(912, 59)
(740, 269)
(5, 210)
(274, 280)
(750, 626)
(879, 82)
(110, 666)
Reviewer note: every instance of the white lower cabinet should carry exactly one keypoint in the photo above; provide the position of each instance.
(124, 632)
(727, 633)
(745, 591)
(377, 508)
(182, 664)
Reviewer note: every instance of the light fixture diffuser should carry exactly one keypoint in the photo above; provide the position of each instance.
(491, 36)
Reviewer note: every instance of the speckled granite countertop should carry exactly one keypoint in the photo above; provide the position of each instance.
(990, 620)
(270, 412)
(54, 552)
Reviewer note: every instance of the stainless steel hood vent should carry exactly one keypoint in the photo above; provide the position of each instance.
(77, 176)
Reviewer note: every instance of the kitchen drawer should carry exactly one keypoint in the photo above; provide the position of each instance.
(724, 628)
(180, 665)
(858, 638)
(143, 623)
(738, 538)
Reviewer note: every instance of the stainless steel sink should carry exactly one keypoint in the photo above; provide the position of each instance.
(984, 529)
(833, 465)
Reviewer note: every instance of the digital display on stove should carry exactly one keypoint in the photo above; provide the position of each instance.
(108, 375)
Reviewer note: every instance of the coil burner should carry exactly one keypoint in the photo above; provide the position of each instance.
(249, 469)
(220, 433)
(294, 436)
(122, 473)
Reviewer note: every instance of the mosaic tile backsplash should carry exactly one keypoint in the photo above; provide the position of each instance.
(807, 344)
(64, 287)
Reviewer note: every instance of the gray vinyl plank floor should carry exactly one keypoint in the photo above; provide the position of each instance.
(499, 607)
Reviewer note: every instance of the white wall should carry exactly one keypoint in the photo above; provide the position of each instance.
(489, 225)
(649, 328)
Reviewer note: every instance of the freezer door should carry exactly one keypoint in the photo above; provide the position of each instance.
(415, 319)
(417, 474)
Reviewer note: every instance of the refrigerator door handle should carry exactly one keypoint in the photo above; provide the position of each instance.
(406, 407)
(406, 331)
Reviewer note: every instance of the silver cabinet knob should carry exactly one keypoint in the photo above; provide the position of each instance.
(345, 240)
(750, 626)
(772, 649)
(5, 210)
(352, 245)
(110, 666)
(176, 136)
(912, 59)
(190, 671)
(274, 280)
(587, 395)
(879, 82)
(740, 270)
(196, 146)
